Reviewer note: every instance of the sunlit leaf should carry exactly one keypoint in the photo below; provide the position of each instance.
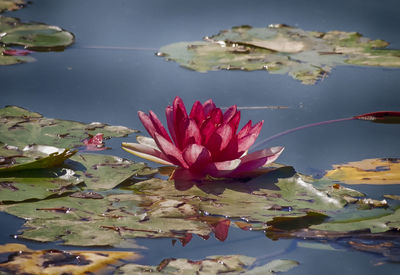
(22, 260)
(20, 127)
(104, 171)
(368, 171)
(280, 49)
(211, 265)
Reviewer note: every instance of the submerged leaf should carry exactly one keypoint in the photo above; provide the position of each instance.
(211, 265)
(304, 55)
(368, 171)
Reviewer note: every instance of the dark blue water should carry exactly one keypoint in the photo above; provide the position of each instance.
(96, 80)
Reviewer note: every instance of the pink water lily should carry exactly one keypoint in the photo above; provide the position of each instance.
(205, 142)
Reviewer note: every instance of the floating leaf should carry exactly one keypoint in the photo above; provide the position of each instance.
(20, 127)
(280, 49)
(22, 260)
(104, 171)
(107, 221)
(210, 265)
(7, 59)
(11, 5)
(368, 171)
(34, 36)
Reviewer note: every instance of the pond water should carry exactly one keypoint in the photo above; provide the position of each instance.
(111, 72)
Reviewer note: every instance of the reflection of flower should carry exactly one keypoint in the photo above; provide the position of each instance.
(205, 142)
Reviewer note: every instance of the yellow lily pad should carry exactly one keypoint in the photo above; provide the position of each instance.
(368, 171)
(23, 260)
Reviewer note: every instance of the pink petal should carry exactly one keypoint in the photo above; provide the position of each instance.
(197, 113)
(146, 152)
(179, 118)
(222, 169)
(173, 154)
(216, 116)
(257, 128)
(246, 142)
(191, 133)
(208, 106)
(257, 159)
(197, 157)
(147, 123)
(245, 130)
(234, 121)
(169, 113)
(229, 113)
(219, 140)
(207, 129)
(158, 126)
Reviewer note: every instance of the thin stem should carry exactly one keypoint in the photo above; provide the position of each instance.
(259, 144)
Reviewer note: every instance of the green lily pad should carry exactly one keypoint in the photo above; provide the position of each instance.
(17, 189)
(94, 222)
(31, 158)
(20, 127)
(210, 265)
(35, 36)
(11, 5)
(304, 55)
(104, 171)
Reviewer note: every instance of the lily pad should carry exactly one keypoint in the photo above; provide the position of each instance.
(210, 265)
(35, 36)
(368, 171)
(22, 260)
(89, 222)
(10, 60)
(305, 55)
(11, 5)
(20, 127)
(104, 171)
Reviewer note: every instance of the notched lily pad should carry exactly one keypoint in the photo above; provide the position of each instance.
(22, 260)
(211, 265)
(368, 171)
(305, 55)
(20, 127)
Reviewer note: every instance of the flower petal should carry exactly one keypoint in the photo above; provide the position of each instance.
(158, 126)
(258, 158)
(146, 152)
(219, 140)
(147, 123)
(169, 113)
(222, 169)
(197, 113)
(229, 113)
(147, 141)
(191, 133)
(173, 154)
(197, 157)
(208, 106)
(245, 130)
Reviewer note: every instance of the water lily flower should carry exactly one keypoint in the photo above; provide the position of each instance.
(205, 142)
